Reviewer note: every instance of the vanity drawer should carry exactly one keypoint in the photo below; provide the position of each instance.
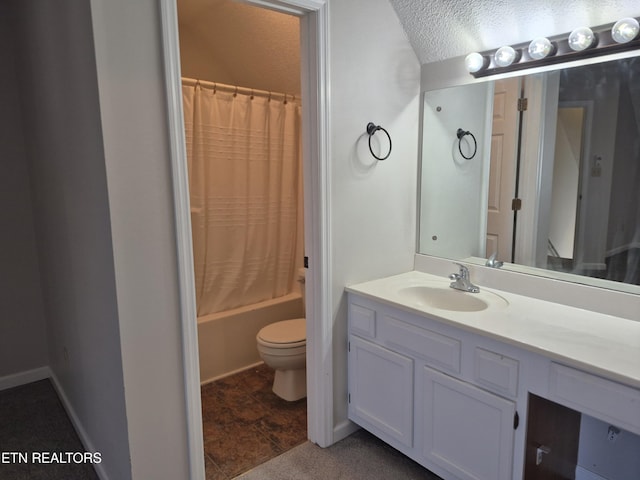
(362, 320)
(437, 349)
(596, 396)
(496, 372)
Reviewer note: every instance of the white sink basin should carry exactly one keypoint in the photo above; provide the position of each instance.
(447, 298)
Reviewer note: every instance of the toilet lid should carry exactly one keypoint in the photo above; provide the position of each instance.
(286, 331)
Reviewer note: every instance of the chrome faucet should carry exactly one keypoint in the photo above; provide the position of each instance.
(461, 280)
(492, 262)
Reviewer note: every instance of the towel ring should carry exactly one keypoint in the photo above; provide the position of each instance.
(371, 130)
(461, 134)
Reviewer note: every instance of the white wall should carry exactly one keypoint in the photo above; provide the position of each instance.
(128, 49)
(374, 77)
(58, 93)
(612, 460)
(22, 328)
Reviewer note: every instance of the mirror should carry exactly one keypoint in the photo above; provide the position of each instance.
(553, 190)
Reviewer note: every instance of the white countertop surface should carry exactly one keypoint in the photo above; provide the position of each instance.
(601, 344)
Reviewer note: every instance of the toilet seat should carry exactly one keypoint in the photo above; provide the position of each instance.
(284, 334)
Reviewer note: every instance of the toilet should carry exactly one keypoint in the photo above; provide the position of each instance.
(283, 346)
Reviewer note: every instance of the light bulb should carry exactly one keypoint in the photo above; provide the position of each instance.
(474, 62)
(581, 39)
(505, 56)
(625, 30)
(540, 48)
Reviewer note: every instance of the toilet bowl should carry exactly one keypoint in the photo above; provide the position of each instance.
(283, 346)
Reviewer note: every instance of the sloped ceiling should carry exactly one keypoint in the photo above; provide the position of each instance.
(229, 42)
(262, 46)
(441, 29)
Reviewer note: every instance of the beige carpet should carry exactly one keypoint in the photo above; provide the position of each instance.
(359, 456)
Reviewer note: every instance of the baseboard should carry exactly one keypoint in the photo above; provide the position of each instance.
(343, 430)
(584, 474)
(22, 378)
(77, 424)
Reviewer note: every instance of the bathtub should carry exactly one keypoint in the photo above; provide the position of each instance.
(227, 340)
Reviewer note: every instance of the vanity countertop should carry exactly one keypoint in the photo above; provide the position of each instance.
(601, 344)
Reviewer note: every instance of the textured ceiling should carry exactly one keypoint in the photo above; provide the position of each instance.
(441, 29)
(248, 39)
(249, 46)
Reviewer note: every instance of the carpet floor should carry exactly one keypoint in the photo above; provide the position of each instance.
(32, 419)
(359, 456)
(34, 422)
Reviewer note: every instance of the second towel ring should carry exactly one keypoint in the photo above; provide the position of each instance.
(373, 128)
(461, 134)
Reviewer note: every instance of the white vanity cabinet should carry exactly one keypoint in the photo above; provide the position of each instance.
(381, 391)
(521, 390)
(465, 430)
(435, 394)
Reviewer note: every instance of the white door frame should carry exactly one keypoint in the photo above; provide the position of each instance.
(536, 168)
(315, 119)
(583, 183)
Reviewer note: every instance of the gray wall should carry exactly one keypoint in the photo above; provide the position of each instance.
(128, 48)
(22, 327)
(59, 97)
(97, 152)
(592, 236)
(624, 212)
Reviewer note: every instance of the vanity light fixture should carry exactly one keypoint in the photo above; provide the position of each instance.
(541, 48)
(625, 30)
(581, 39)
(581, 43)
(474, 62)
(505, 56)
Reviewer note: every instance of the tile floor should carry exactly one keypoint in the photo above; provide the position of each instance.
(245, 423)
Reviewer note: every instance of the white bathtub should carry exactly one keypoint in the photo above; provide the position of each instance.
(227, 340)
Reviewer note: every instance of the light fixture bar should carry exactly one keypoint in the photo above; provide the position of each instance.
(604, 44)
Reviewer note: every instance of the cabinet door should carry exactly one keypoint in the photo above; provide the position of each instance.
(466, 430)
(381, 390)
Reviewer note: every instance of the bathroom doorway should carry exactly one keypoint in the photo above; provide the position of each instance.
(241, 77)
(315, 35)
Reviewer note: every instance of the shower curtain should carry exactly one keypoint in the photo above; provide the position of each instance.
(243, 152)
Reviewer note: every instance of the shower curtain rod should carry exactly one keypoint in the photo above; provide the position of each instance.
(192, 82)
